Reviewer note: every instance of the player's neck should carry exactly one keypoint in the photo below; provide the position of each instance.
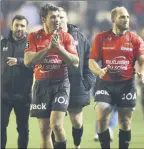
(48, 30)
(65, 28)
(118, 32)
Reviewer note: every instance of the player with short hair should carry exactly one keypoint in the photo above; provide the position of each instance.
(50, 50)
(16, 80)
(118, 49)
(81, 79)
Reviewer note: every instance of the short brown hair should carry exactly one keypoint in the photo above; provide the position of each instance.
(46, 8)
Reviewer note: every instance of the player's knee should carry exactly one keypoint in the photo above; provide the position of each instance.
(57, 128)
(77, 124)
(125, 124)
(45, 131)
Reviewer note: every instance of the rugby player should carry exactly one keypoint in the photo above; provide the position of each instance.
(118, 49)
(50, 50)
(81, 79)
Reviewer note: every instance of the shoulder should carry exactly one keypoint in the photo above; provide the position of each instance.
(135, 37)
(4, 41)
(101, 35)
(66, 36)
(36, 33)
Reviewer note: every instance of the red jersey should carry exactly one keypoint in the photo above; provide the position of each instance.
(119, 52)
(52, 66)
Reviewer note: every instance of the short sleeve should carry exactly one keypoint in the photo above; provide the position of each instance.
(30, 45)
(69, 44)
(139, 46)
(95, 52)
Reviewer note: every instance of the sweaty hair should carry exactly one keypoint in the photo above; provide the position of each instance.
(20, 17)
(115, 11)
(46, 8)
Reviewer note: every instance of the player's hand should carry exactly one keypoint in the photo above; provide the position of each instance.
(141, 76)
(56, 41)
(12, 61)
(103, 71)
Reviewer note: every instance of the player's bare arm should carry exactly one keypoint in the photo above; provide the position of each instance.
(141, 64)
(95, 68)
(32, 58)
(68, 58)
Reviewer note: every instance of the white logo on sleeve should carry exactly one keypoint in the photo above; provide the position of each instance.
(41, 106)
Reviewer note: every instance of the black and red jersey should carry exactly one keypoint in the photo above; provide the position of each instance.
(52, 66)
(119, 52)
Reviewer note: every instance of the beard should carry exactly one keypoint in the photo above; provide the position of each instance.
(19, 34)
(122, 27)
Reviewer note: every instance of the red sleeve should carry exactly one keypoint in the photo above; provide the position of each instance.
(96, 48)
(139, 46)
(30, 44)
(69, 44)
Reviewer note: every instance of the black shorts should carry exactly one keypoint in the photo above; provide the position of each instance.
(122, 94)
(49, 95)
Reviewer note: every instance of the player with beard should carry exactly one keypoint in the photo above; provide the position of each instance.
(118, 49)
(50, 50)
(16, 80)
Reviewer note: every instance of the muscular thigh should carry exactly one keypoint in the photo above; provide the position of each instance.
(103, 110)
(44, 125)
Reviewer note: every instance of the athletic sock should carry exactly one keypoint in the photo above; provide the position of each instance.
(124, 139)
(104, 139)
(60, 145)
(77, 135)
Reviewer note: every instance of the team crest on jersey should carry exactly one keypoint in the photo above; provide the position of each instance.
(27, 44)
(109, 38)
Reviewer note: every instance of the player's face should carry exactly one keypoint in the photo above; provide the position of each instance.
(63, 19)
(19, 28)
(122, 20)
(52, 20)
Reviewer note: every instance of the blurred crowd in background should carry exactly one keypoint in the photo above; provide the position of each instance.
(90, 16)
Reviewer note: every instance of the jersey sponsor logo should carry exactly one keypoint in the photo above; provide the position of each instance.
(27, 44)
(129, 96)
(61, 100)
(126, 48)
(41, 106)
(101, 92)
(5, 48)
(117, 64)
(51, 62)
